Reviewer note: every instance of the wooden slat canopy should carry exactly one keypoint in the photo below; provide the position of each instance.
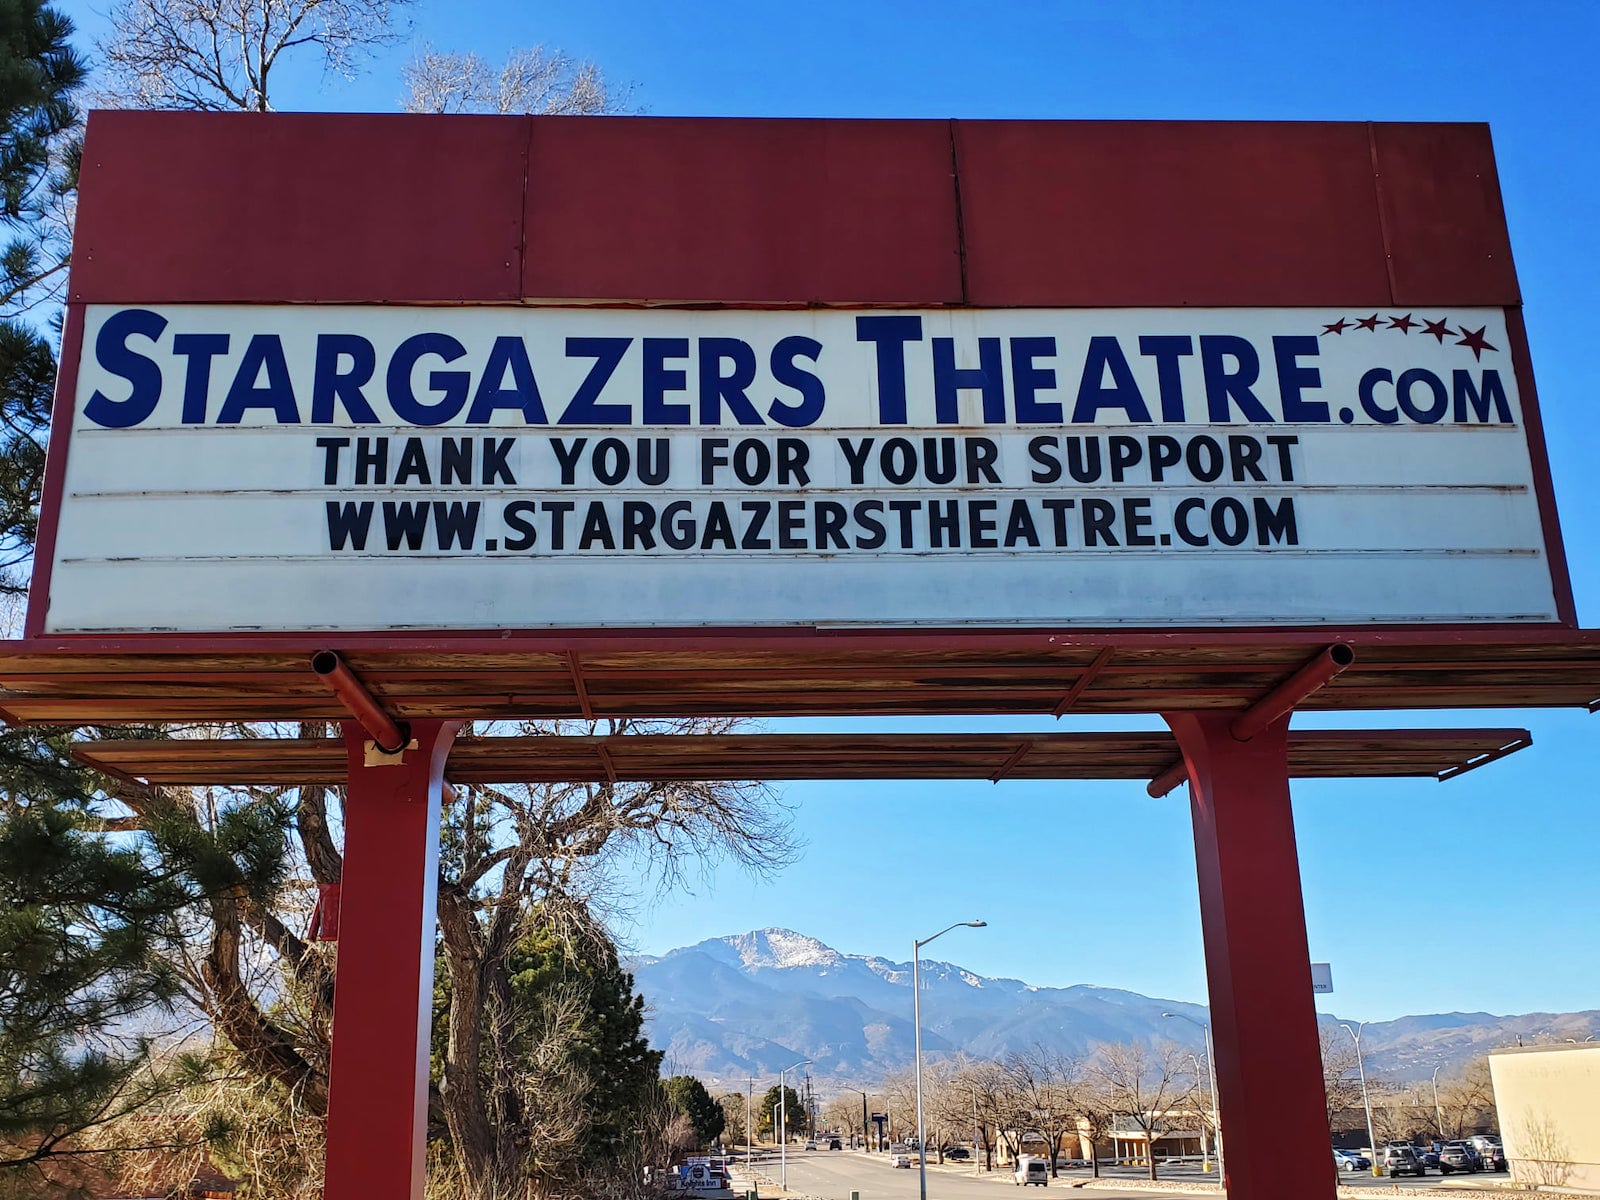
(1435, 753)
(107, 681)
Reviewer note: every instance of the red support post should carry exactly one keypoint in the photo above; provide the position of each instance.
(383, 994)
(1258, 969)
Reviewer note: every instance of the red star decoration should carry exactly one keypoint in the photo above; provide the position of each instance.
(1438, 328)
(1404, 324)
(1369, 323)
(1338, 326)
(1473, 340)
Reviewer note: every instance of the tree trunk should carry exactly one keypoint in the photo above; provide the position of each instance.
(464, 1112)
(264, 1046)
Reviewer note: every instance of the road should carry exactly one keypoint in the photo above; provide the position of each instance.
(833, 1175)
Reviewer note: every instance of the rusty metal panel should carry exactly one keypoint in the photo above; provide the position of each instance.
(1166, 213)
(742, 211)
(106, 680)
(1442, 214)
(299, 207)
(1320, 754)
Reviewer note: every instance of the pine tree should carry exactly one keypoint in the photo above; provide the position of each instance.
(83, 925)
(689, 1096)
(39, 72)
(565, 1071)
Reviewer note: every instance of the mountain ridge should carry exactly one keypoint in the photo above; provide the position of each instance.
(728, 1008)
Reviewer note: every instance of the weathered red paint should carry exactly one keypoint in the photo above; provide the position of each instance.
(1104, 214)
(196, 208)
(1258, 968)
(1444, 224)
(353, 694)
(724, 211)
(1539, 455)
(383, 997)
(1283, 699)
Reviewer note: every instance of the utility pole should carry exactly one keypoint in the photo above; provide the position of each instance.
(749, 1087)
(974, 1126)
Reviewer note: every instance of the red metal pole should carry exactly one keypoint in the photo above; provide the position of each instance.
(1283, 699)
(1258, 968)
(383, 993)
(1163, 783)
(363, 706)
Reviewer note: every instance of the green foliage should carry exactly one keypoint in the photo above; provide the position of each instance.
(83, 927)
(607, 1043)
(39, 152)
(27, 377)
(689, 1096)
(575, 1045)
(794, 1114)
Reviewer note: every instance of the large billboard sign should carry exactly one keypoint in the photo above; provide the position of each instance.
(299, 468)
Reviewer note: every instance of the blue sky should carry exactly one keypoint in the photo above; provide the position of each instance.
(1477, 894)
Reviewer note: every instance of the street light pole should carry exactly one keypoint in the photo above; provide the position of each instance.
(1205, 1142)
(1211, 1069)
(974, 1126)
(783, 1130)
(1438, 1113)
(863, 1116)
(916, 1023)
(1361, 1067)
(749, 1086)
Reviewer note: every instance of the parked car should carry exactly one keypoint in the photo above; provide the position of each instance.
(1458, 1156)
(1031, 1170)
(1490, 1150)
(1345, 1160)
(1494, 1158)
(900, 1160)
(1402, 1160)
(958, 1154)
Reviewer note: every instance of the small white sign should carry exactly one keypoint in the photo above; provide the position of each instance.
(1321, 977)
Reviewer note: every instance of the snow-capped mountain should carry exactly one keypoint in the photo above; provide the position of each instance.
(750, 1003)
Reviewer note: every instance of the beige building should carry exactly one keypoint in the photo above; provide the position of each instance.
(1549, 1103)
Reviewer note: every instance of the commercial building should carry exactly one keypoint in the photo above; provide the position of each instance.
(1549, 1103)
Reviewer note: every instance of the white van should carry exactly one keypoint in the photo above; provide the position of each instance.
(1032, 1170)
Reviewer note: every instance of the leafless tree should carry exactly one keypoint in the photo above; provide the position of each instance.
(1046, 1082)
(266, 990)
(732, 1105)
(1467, 1101)
(844, 1112)
(1341, 1080)
(220, 55)
(511, 850)
(1096, 1112)
(532, 80)
(1144, 1083)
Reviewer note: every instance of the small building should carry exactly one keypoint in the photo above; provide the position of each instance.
(1548, 1099)
(1175, 1136)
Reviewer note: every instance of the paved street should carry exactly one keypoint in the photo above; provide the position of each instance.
(833, 1175)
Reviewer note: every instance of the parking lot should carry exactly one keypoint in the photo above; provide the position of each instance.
(834, 1175)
